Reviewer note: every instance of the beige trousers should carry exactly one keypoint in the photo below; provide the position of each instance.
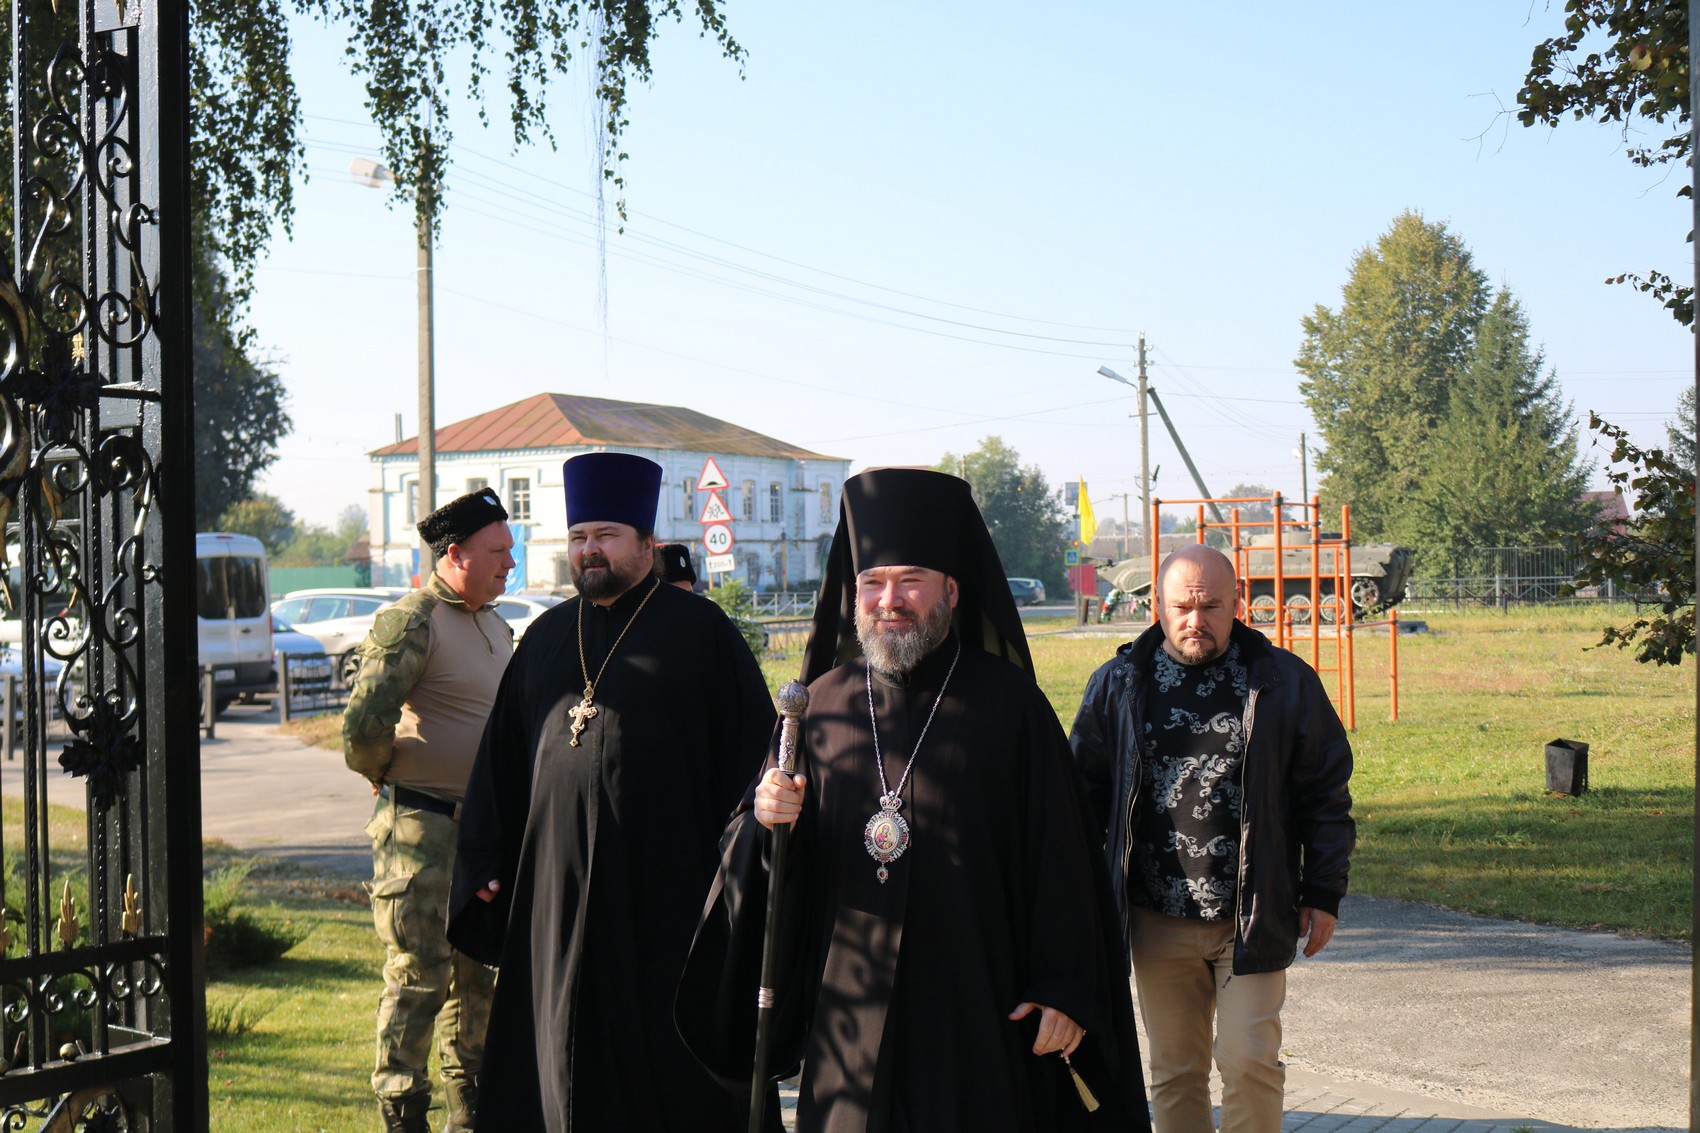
(1184, 972)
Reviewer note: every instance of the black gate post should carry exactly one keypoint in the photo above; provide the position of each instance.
(102, 967)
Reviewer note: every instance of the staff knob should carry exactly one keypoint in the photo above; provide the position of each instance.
(793, 700)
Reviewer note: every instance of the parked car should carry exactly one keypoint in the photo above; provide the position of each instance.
(1027, 591)
(309, 664)
(520, 610)
(233, 631)
(338, 619)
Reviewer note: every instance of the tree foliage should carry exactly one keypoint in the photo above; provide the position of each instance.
(1622, 61)
(1028, 524)
(247, 148)
(739, 602)
(239, 402)
(262, 516)
(1442, 427)
(1377, 370)
(1252, 512)
(1680, 433)
(1504, 469)
(1651, 559)
(311, 545)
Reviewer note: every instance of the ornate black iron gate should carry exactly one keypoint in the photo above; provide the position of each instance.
(102, 1010)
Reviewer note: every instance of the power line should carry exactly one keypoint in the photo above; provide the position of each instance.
(803, 266)
(554, 206)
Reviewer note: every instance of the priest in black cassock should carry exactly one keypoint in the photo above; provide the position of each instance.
(628, 725)
(946, 921)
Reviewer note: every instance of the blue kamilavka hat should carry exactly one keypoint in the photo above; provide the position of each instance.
(612, 487)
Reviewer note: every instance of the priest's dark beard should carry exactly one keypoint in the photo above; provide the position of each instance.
(897, 652)
(598, 578)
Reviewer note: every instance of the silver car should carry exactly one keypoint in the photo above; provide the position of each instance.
(338, 620)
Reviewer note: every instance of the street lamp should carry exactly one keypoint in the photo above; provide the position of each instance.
(376, 175)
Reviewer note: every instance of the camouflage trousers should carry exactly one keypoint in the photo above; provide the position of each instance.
(426, 982)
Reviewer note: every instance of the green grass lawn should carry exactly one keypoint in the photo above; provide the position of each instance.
(303, 1059)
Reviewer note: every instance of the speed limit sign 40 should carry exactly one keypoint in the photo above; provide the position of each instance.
(717, 537)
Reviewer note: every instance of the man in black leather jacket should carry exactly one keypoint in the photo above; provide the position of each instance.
(1217, 769)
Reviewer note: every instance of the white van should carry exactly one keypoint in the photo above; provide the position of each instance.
(233, 614)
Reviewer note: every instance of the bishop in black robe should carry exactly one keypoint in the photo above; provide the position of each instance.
(604, 852)
(896, 995)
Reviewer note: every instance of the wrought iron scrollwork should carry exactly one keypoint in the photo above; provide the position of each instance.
(104, 160)
(95, 940)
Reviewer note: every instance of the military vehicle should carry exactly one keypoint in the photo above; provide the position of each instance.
(1379, 574)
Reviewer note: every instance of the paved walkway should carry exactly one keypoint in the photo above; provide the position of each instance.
(1414, 1020)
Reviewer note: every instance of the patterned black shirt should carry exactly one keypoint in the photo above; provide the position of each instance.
(1186, 827)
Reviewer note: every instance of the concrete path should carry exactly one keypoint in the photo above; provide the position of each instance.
(1413, 1020)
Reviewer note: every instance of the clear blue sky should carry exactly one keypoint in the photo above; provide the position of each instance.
(912, 226)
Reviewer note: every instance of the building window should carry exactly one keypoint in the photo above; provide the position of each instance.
(749, 499)
(826, 501)
(687, 499)
(774, 512)
(476, 483)
(519, 499)
(413, 503)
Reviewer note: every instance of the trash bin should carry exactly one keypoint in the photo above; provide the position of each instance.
(1567, 767)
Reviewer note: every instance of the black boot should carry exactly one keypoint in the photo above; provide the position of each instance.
(406, 1115)
(460, 1095)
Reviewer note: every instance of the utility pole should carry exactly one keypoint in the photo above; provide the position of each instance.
(1145, 523)
(374, 175)
(1304, 470)
(427, 383)
(1175, 436)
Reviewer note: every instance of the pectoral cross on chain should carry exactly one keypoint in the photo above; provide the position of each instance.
(581, 712)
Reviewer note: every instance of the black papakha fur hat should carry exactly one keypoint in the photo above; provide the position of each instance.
(460, 519)
(673, 563)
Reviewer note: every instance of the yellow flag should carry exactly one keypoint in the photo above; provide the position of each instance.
(1088, 521)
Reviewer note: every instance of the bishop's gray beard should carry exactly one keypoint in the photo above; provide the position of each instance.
(897, 652)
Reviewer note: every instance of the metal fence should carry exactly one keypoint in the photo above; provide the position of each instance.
(308, 686)
(1500, 577)
(784, 604)
(786, 637)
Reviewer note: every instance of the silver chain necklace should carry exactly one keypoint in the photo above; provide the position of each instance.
(886, 835)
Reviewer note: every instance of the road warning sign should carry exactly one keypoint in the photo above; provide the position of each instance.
(715, 511)
(712, 477)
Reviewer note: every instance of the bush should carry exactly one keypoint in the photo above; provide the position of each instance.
(234, 937)
(740, 605)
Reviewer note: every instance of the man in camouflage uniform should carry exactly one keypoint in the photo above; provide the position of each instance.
(428, 674)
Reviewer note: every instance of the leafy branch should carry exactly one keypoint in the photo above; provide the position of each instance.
(1652, 558)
